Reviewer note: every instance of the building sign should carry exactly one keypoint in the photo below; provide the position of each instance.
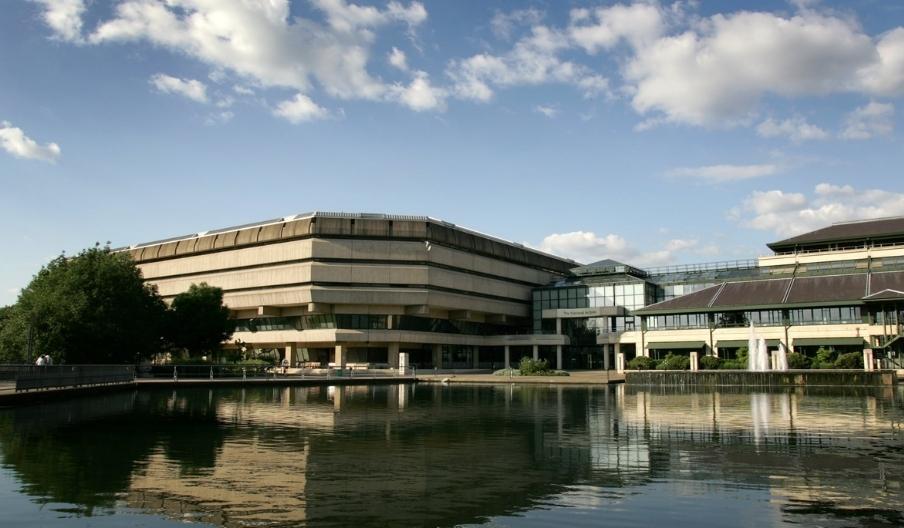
(574, 313)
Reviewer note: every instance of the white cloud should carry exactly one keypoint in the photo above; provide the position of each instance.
(261, 41)
(587, 247)
(603, 28)
(717, 72)
(420, 95)
(300, 109)
(725, 173)
(14, 141)
(398, 59)
(788, 214)
(796, 129)
(547, 110)
(886, 76)
(190, 88)
(503, 24)
(534, 60)
(873, 119)
(64, 17)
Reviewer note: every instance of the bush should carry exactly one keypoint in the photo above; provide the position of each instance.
(673, 362)
(825, 359)
(851, 360)
(710, 363)
(642, 363)
(797, 361)
(534, 367)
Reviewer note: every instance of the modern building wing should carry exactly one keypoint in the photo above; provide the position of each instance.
(844, 235)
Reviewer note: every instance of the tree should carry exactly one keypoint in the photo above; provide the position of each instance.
(91, 308)
(197, 320)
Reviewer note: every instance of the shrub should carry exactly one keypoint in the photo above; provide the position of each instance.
(851, 360)
(734, 364)
(673, 362)
(825, 359)
(797, 361)
(642, 363)
(534, 367)
(710, 363)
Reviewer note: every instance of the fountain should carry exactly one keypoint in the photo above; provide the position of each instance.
(781, 358)
(757, 354)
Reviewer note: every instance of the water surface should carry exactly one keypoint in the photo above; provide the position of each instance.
(433, 455)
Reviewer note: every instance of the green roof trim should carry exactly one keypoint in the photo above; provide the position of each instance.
(737, 343)
(817, 341)
(676, 345)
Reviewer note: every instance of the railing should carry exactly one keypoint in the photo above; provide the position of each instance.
(33, 377)
(211, 372)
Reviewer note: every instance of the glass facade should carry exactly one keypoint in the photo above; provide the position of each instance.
(375, 322)
(737, 319)
(630, 295)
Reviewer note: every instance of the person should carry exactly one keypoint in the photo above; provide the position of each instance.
(40, 361)
(48, 360)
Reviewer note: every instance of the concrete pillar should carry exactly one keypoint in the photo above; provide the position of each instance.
(476, 357)
(619, 362)
(558, 325)
(695, 362)
(340, 358)
(606, 356)
(868, 364)
(290, 354)
(558, 357)
(508, 357)
(438, 356)
(536, 352)
(393, 355)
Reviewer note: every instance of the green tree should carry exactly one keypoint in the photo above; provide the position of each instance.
(198, 322)
(91, 308)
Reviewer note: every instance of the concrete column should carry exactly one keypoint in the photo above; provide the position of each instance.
(508, 357)
(438, 356)
(558, 325)
(558, 357)
(403, 363)
(393, 355)
(619, 362)
(536, 352)
(695, 363)
(606, 356)
(476, 357)
(340, 358)
(290, 354)
(868, 364)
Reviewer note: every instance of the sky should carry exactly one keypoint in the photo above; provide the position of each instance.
(654, 133)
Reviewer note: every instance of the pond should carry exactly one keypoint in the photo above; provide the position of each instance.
(435, 455)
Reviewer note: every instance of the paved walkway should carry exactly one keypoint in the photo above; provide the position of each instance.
(584, 377)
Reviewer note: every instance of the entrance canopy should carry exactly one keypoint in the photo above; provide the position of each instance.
(676, 345)
(738, 343)
(818, 341)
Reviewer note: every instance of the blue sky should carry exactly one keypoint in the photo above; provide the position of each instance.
(652, 132)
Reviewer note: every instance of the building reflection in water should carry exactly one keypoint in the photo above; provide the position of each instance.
(440, 455)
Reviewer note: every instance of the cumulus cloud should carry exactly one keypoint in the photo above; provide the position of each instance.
(724, 173)
(605, 27)
(787, 214)
(300, 109)
(260, 41)
(587, 247)
(503, 24)
(420, 94)
(535, 59)
(796, 129)
(874, 119)
(190, 88)
(398, 59)
(14, 141)
(64, 17)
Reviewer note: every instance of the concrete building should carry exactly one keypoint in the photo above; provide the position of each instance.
(357, 289)
(335, 289)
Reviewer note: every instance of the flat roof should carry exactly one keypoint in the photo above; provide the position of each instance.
(854, 231)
